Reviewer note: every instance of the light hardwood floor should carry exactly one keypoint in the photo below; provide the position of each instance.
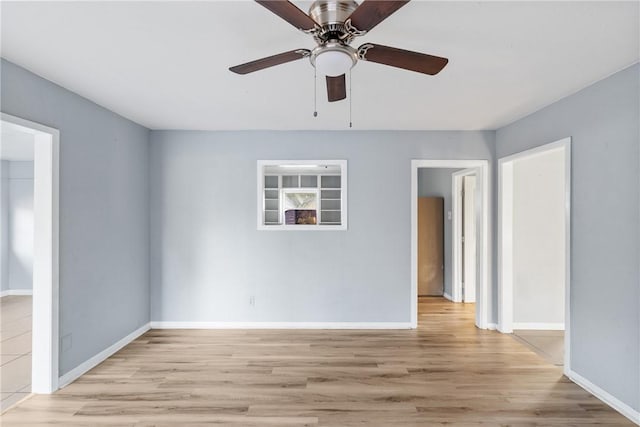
(446, 372)
(548, 344)
(15, 349)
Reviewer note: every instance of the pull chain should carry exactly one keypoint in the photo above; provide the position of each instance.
(315, 93)
(350, 101)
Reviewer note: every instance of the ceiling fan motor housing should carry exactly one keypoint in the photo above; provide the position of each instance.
(331, 15)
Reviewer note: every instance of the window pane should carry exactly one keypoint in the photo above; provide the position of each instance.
(300, 207)
(290, 181)
(330, 181)
(271, 194)
(271, 217)
(271, 204)
(300, 200)
(331, 194)
(270, 182)
(330, 217)
(330, 204)
(308, 181)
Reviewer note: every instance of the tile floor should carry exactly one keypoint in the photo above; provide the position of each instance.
(548, 344)
(15, 349)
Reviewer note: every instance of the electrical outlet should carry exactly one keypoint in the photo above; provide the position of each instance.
(65, 343)
(252, 301)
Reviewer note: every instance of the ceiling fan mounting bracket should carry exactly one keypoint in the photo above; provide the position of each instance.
(303, 52)
(312, 31)
(362, 51)
(352, 30)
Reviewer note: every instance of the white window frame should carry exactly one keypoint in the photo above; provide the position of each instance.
(302, 227)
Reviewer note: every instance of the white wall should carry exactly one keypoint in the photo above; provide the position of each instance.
(538, 240)
(20, 213)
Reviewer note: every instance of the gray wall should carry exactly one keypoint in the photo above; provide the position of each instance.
(208, 259)
(20, 212)
(104, 233)
(436, 182)
(603, 121)
(4, 225)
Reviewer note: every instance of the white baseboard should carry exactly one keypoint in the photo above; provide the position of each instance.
(492, 326)
(280, 325)
(538, 326)
(83, 368)
(615, 403)
(17, 292)
(503, 330)
(447, 296)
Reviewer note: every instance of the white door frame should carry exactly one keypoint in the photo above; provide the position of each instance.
(44, 365)
(483, 297)
(456, 247)
(505, 238)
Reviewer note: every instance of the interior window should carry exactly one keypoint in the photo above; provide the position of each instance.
(296, 195)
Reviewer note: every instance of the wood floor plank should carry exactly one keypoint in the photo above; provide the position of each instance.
(446, 372)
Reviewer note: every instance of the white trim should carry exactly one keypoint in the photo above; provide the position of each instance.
(86, 366)
(505, 238)
(456, 247)
(344, 217)
(607, 398)
(16, 292)
(45, 354)
(492, 326)
(483, 294)
(279, 325)
(447, 296)
(537, 326)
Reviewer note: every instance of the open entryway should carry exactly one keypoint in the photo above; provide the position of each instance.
(439, 219)
(465, 217)
(534, 226)
(16, 263)
(29, 261)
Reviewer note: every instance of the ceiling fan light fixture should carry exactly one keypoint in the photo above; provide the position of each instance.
(333, 63)
(333, 59)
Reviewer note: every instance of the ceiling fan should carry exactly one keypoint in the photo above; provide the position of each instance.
(334, 24)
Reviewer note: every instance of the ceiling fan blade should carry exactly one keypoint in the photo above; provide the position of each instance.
(372, 12)
(400, 58)
(270, 61)
(290, 13)
(336, 88)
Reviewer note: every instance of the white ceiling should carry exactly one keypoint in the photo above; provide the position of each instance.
(14, 144)
(164, 64)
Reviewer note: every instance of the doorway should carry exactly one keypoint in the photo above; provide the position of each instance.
(533, 248)
(44, 306)
(466, 216)
(481, 170)
(431, 241)
(16, 264)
